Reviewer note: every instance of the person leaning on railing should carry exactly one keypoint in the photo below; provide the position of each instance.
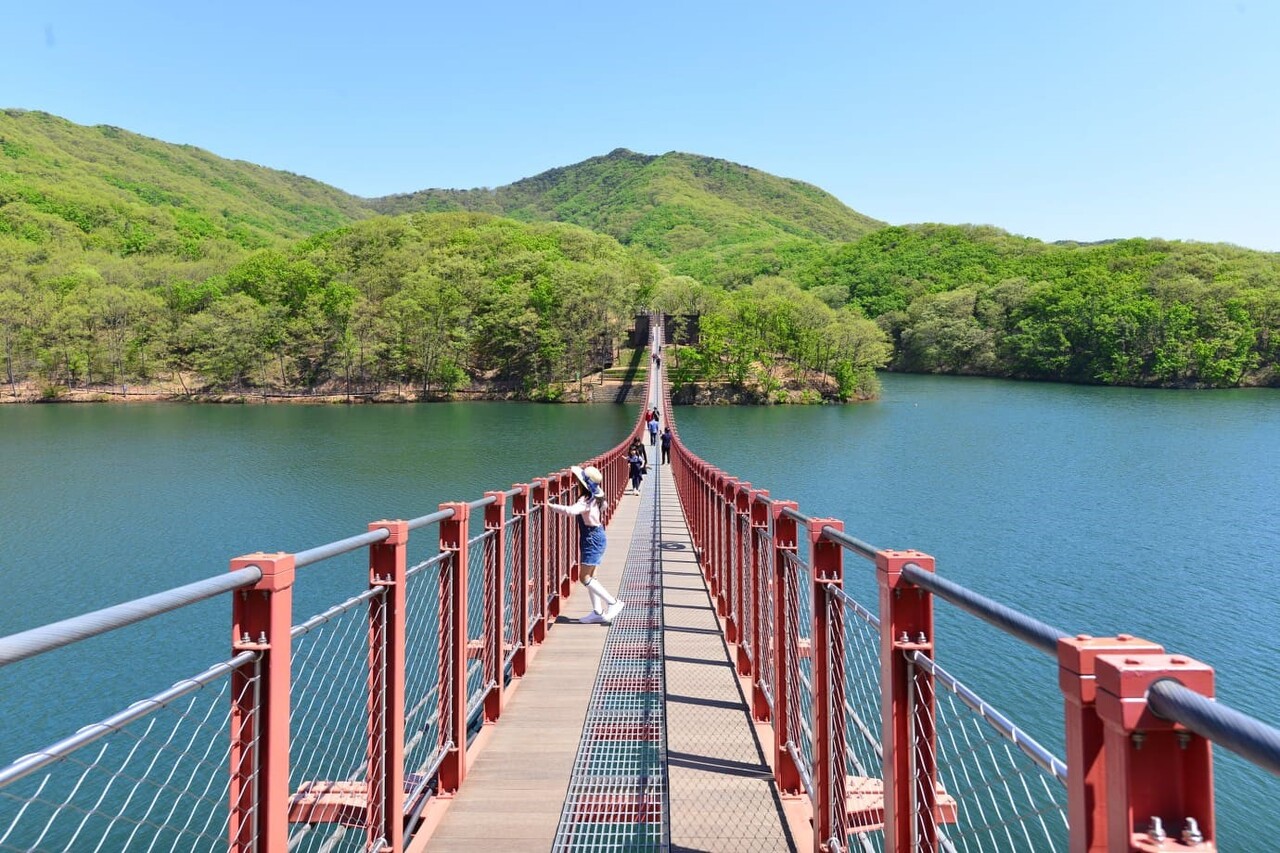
(589, 510)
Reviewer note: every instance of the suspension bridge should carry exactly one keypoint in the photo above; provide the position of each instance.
(743, 699)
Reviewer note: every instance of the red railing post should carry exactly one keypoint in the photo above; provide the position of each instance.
(910, 779)
(1156, 769)
(495, 521)
(761, 570)
(453, 645)
(700, 522)
(261, 621)
(738, 522)
(1086, 783)
(385, 810)
(541, 559)
(785, 546)
(568, 568)
(830, 813)
(520, 558)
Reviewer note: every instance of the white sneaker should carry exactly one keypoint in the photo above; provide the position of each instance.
(613, 611)
(592, 618)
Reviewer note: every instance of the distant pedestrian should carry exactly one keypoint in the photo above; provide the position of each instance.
(666, 445)
(589, 510)
(635, 458)
(653, 431)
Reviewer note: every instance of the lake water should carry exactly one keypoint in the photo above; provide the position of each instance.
(1096, 510)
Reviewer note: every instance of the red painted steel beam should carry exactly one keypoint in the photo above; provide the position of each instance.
(520, 555)
(1155, 768)
(908, 739)
(830, 810)
(762, 571)
(261, 620)
(495, 518)
(786, 774)
(1086, 782)
(453, 645)
(384, 815)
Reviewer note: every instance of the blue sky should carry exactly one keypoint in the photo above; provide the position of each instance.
(1058, 120)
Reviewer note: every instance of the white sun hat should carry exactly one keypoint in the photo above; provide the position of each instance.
(590, 478)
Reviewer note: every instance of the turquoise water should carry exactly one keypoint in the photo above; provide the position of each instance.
(1096, 510)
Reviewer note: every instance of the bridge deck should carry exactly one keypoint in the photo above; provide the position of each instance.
(720, 793)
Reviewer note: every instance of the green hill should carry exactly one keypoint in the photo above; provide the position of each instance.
(718, 221)
(66, 187)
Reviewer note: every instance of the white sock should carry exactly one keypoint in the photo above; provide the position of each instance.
(597, 588)
(596, 604)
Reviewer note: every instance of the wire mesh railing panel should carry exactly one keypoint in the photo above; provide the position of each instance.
(991, 794)
(537, 568)
(863, 751)
(799, 670)
(513, 536)
(481, 574)
(765, 591)
(154, 777)
(329, 710)
(424, 626)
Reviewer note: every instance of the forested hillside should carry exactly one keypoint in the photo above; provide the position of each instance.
(105, 189)
(124, 259)
(962, 299)
(430, 301)
(723, 223)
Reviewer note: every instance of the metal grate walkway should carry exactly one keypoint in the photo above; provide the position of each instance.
(617, 797)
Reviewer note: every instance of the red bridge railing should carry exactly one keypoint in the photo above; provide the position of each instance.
(356, 720)
(1139, 722)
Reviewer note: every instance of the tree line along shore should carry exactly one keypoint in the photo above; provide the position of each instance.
(126, 261)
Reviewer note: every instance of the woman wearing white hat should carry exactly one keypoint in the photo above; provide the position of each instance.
(589, 510)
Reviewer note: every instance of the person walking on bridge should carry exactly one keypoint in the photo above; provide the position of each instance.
(666, 445)
(589, 510)
(635, 459)
(653, 427)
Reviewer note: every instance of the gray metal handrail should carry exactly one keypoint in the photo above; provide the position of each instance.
(1246, 736)
(1028, 629)
(55, 635)
(862, 549)
(342, 546)
(427, 520)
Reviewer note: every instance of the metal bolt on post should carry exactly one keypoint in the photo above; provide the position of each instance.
(1156, 831)
(1139, 738)
(1191, 833)
(921, 639)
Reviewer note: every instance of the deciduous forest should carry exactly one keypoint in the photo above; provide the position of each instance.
(124, 260)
